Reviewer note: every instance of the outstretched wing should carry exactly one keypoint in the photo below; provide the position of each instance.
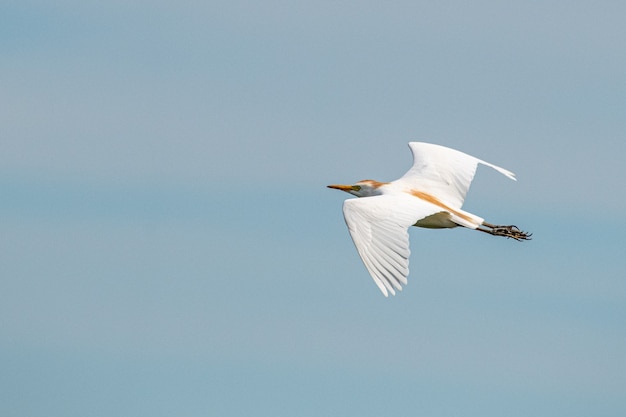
(443, 172)
(379, 229)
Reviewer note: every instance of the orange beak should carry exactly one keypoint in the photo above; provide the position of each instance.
(346, 188)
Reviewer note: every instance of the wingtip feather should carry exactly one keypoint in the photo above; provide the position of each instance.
(501, 170)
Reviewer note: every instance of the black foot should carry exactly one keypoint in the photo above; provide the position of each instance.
(512, 232)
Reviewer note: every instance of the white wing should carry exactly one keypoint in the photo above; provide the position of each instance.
(379, 229)
(443, 172)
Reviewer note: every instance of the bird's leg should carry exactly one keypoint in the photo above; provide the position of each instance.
(506, 231)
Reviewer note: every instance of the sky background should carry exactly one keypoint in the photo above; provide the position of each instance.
(168, 246)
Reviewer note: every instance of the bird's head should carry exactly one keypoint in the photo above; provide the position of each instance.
(364, 188)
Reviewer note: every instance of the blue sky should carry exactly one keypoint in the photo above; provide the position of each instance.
(168, 246)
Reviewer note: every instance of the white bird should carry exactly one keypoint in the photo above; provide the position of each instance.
(429, 195)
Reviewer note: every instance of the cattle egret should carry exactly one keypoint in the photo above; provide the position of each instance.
(429, 195)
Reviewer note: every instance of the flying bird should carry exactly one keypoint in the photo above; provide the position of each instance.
(429, 195)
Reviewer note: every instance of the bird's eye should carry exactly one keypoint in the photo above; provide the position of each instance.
(356, 187)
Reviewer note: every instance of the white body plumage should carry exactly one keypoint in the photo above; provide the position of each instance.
(429, 195)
